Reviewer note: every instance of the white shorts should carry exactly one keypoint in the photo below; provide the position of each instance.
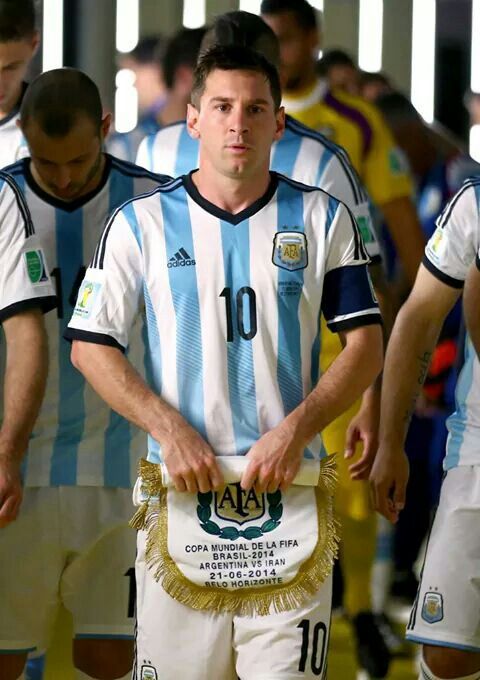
(174, 641)
(69, 544)
(446, 611)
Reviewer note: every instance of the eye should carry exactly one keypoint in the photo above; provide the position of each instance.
(223, 107)
(256, 109)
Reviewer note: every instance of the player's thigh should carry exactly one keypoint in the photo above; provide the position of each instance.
(173, 640)
(98, 585)
(30, 567)
(446, 610)
(286, 645)
(102, 657)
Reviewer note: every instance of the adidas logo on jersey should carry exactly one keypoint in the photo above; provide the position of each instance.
(181, 259)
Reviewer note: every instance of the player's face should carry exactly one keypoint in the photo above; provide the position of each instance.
(236, 122)
(15, 56)
(70, 166)
(297, 48)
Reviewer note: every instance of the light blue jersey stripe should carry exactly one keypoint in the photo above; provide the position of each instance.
(285, 153)
(71, 404)
(187, 153)
(241, 375)
(457, 421)
(118, 435)
(153, 364)
(150, 147)
(184, 290)
(322, 166)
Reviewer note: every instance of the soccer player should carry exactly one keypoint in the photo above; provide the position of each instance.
(178, 61)
(309, 157)
(25, 291)
(71, 542)
(233, 341)
(445, 617)
(19, 41)
(349, 121)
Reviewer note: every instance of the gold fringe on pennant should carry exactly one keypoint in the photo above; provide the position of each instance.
(152, 517)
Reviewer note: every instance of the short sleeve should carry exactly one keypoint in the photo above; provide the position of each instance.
(109, 297)
(386, 171)
(24, 274)
(348, 300)
(454, 244)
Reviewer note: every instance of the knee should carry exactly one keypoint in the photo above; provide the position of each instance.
(103, 659)
(449, 663)
(12, 666)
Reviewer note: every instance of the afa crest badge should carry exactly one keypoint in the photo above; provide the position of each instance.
(148, 673)
(290, 250)
(432, 610)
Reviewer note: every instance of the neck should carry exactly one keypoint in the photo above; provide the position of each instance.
(304, 81)
(232, 194)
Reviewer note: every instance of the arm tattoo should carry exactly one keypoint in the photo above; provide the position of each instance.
(424, 362)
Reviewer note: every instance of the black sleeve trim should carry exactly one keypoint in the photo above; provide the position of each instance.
(376, 259)
(95, 338)
(355, 322)
(46, 304)
(477, 262)
(441, 276)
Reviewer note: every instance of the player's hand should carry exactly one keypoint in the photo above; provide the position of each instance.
(363, 429)
(191, 462)
(388, 481)
(273, 461)
(11, 492)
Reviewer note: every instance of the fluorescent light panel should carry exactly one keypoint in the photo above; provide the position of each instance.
(252, 6)
(370, 35)
(127, 25)
(126, 101)
(193, 13)
(423, 58)
(474, 146)
(318, 4)
(475, 69)
(52, 38)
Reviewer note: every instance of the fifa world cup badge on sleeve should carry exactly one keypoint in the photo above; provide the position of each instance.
(290, 250)
(235, 550)
(86, 298)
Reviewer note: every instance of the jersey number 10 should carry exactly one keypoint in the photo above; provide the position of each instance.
(245, 296)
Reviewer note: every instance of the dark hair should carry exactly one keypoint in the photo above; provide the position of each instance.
(235, 58)
(56, 99)
(243, 28)
(148, 50)
(303, 11)
(396, 108)
(17, 19)
(181, 50)
(332, 58)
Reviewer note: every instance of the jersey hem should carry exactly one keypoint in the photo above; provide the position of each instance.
(46, 304)
(355, 322)
(95, 338)
(441, 643)
(441, 276)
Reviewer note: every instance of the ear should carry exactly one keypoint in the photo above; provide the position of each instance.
(105, 125)
(192, 121)
(280, 120)
(35, 42)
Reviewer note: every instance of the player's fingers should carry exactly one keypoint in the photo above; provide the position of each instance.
(9, 510)
(202, 478)
(215, 474)
(249, 475)
(264, 477)
(352, 437)
(179, 483)
(399, 493)
(288, 478)
(275, 482)
(190, 481)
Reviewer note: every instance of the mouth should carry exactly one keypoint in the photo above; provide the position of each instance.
(238, 148)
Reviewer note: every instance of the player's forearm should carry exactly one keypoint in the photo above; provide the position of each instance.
(471, 306)
(25, 379)
(114, 378)
(406, 364)
(404, 227)
(355, 368)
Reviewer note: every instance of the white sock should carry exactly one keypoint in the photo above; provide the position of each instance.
(426, 674)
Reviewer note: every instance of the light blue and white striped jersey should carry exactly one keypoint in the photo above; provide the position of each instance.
(449, 254)
(77, 440)
(24, 279)
(232, 302)
(302, 154)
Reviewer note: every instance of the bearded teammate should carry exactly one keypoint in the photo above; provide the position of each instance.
(81, 457)
(445, 618)
(19, 41)
(311, 158)
(226, 217)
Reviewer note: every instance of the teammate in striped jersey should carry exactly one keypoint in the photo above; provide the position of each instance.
(19, 41)
(82, 457)
(233, 342)
(25, 291)
(445, 618)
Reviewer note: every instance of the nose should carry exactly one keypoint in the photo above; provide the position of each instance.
(239, 121)
(62, 177)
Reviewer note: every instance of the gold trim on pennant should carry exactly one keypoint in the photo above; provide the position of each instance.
(152, 516)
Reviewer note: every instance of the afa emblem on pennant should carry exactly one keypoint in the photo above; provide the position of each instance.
(290, 250)
(432, 610)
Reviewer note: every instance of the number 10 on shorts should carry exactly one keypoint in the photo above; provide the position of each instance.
(316, 651)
